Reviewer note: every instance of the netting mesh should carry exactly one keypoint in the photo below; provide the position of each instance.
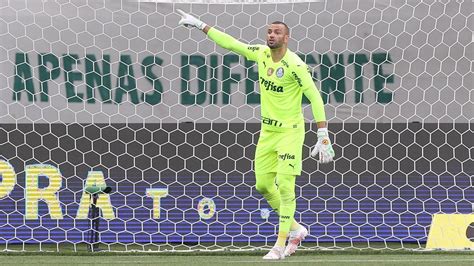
(116, 92)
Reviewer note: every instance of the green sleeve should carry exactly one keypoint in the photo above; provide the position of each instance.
(317, 104)
(306, 82)
(228, 42)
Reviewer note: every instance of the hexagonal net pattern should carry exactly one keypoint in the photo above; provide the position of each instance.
(115, 93)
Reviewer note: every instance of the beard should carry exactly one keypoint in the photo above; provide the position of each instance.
(273, 45)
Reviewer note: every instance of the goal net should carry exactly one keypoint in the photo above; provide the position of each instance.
(114, 93)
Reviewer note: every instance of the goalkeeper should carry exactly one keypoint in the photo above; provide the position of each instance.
(283, 79)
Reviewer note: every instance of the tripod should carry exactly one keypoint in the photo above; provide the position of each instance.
(94, 224)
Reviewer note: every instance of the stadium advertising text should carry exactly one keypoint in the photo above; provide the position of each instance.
(203, 80)
(49, 195)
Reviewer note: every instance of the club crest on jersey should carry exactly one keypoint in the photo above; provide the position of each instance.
(269, 71)
(280, 72)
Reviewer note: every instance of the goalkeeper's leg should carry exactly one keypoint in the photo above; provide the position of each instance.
(282, 200)
(266, 165)
(289, 166)
(266, 185)
(296, 232)
(286, 186)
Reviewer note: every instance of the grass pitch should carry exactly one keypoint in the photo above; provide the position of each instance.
(242, 258)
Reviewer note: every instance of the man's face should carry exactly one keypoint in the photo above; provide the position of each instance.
(277, 36)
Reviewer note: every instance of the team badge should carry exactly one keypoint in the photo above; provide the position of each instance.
(269, 71)
(280, 72)
(206, 208)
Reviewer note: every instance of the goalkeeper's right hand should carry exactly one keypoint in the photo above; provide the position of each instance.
(189, 20)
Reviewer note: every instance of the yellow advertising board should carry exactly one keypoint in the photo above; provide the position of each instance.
(451, 231)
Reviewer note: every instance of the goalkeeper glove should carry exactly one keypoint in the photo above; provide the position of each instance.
(323, 147)
(189, 20)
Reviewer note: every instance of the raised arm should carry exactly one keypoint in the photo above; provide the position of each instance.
(222, 39)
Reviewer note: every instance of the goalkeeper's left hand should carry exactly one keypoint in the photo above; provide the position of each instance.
(323, 147)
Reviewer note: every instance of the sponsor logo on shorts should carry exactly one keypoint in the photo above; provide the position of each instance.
(286, 156)
(271, 122)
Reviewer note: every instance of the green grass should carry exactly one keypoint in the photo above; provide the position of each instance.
(71, 249)
(378, 254)
(305, 258)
